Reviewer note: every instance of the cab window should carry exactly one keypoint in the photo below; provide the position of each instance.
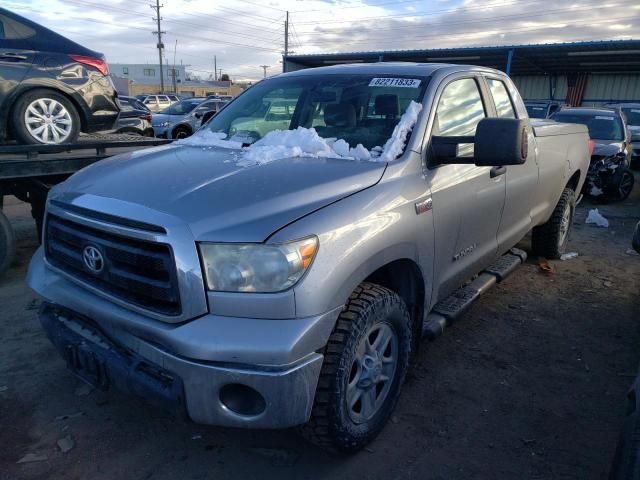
(501, 98)
(459, 111)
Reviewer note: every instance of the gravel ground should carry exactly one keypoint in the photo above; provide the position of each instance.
(529, 384)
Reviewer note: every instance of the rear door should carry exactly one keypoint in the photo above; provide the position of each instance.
(16, 54)
(467, 200)
(521, 180)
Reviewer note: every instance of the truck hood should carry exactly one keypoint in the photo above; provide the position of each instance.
(207, 188)
(605, 148)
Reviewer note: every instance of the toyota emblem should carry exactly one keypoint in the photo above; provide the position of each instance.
(93, 259)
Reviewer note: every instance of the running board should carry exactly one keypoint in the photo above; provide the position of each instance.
(446, 311)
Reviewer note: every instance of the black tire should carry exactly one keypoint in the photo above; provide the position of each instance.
(7, 243)
(549, 240)
(181, 132)
(625, 185)
(20, 129)
(635, 242)
(331, 425)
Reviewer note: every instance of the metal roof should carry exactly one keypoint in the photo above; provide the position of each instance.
(606, 56)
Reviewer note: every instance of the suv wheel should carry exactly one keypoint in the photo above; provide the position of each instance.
(45, 117)
(550, 240)
(7, 243)
(365, 363)
(181, 132)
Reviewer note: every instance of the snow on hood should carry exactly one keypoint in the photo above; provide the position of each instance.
(305, 142)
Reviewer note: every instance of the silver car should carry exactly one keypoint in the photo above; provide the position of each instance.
(181, 119)
(632, 112)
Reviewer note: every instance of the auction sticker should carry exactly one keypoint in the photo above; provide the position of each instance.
(395, 82)
(598, 117)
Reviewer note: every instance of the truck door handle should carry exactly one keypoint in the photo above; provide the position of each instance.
(497, 171)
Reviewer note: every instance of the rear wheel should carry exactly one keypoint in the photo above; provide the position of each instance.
(181, 132)
(550, 240)
(366, 360)
(43, 116)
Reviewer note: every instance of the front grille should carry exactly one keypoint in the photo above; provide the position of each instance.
(139, 272)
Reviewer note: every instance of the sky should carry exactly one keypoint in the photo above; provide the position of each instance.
(245, 34)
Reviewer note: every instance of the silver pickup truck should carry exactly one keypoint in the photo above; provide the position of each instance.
(270, 278)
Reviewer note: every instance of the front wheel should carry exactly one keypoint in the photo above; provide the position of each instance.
(43, 116)
(365, 363)
(550, 240)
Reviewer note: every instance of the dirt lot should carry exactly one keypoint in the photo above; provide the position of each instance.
(529, 384)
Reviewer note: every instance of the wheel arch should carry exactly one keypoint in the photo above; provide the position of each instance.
(574, 181)
(404, 277)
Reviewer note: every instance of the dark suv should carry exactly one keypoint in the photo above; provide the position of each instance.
(50, 87)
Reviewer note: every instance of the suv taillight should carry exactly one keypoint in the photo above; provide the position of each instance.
(146, 117)
(97, 63)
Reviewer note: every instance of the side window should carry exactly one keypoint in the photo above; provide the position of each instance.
(459, 111)
(11, 29)
(163, 99)
(501, 98)
(150, 101)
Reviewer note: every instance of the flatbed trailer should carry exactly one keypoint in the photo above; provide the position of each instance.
(29, 171)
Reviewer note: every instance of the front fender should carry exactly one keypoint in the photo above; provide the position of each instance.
(358, 235)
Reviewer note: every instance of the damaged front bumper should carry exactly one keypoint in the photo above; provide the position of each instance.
(235, 372)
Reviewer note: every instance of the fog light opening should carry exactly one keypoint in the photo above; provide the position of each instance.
(242, 400)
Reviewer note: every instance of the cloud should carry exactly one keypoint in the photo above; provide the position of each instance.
(249, 33)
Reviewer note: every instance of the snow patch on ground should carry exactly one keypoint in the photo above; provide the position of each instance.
(595, 217)
(305, 142)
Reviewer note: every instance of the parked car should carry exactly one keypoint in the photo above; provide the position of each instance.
(134, 117)
(289, 281)
(273, 112)
(51, 88)
(542, 109)
(183, 118)
(632, 113)
(609, 177)
(155, 103)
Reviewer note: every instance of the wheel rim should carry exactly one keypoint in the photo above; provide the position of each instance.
(48, 121)
(372, 372)
(181, 134)
(565, 223)
(626, 184)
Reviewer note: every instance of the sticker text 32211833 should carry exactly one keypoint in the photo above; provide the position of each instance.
(395, 82)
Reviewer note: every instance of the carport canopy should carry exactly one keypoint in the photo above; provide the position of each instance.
(614, 56)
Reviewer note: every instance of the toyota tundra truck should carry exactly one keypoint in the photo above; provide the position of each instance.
(269, 278)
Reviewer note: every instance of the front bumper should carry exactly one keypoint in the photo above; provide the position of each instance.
(278, 359)
(182, 386)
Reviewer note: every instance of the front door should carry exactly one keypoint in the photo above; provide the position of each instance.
(467, 200)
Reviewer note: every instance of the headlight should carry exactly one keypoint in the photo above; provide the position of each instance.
(256, 267)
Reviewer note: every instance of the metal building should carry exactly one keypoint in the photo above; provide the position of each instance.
(578, 73)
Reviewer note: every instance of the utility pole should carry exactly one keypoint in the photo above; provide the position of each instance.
(264, 67)
(286, 43)
(215, 68)
(175, 83)
(160, 45)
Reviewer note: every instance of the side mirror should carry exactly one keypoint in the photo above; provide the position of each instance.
(497, 142)
(501, 141)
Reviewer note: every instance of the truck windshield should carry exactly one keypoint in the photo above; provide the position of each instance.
(601, 127)
(633, 115)
(537, 111)
(360, 109)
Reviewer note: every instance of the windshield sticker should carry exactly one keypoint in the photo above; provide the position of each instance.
(598, 117)
(635, 111)
(395, 82)
(538, 108)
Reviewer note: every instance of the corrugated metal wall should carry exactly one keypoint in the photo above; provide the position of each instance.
(601, 88)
